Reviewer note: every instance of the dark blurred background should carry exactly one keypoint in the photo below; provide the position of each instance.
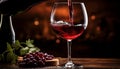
(100, 39)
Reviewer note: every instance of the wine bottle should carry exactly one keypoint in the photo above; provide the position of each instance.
(7, 33)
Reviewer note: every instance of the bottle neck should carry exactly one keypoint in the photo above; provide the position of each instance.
(5, 22)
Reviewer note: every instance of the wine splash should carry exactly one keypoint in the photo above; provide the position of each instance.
(70, 11)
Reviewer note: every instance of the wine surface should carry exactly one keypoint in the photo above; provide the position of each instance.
(68, 31)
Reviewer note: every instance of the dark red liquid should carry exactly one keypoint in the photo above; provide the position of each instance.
(68, 32)
(70, 11)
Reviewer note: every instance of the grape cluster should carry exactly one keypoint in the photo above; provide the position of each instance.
(35, 59)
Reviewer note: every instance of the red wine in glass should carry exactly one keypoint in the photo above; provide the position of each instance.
(68, 32)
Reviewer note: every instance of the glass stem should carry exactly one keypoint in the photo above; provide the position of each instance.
(69, 43)
(69, 64)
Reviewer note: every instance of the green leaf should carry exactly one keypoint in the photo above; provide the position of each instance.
(17, 45)
(2, 57)
(14, 60)
(24, 50)
(31, 50)
(35, 49)
(9, 57)
(29, 43)
(9, 48)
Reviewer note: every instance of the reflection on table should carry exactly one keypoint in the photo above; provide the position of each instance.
(88, 63)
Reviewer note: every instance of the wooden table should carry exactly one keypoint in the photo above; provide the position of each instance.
(96, 63)
(88, 63)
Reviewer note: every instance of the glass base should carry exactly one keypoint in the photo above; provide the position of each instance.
(74, 67)
(69, 64)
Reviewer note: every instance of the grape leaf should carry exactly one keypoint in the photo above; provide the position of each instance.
(9, 48)
(17, 45)
(24, 50)
(11, 57)
(14, 60)
(34, 49)
(29, 43)
(37, 49)
(1, 57)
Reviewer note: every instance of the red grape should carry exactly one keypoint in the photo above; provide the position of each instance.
(35, 59)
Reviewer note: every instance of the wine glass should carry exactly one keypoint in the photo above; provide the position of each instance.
(69, 22)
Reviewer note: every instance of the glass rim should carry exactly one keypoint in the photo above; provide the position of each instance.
(67, 3)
